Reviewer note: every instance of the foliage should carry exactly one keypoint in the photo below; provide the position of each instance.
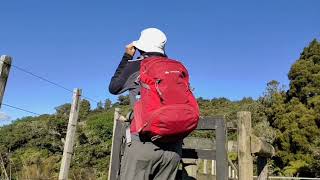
(99, 106)
(107, 104)
(124, 100)
(84, 109)
(63, 111)
(33, 145)
(295, 116)
(304, 75)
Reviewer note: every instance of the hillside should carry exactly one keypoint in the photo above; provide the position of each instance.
(36, 143)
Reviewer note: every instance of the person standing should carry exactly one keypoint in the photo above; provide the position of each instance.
(147, 156)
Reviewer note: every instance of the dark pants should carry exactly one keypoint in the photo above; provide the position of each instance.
(149, 161)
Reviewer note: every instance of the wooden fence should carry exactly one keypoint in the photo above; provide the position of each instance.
(211, 152)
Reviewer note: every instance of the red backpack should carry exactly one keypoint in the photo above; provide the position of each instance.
(167, 110)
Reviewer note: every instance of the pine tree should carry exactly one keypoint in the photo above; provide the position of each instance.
(99, 106)
(107, 104)
(295, 115)
(304, 76)
(84, 109)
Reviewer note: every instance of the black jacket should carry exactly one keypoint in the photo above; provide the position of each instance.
(125, 77)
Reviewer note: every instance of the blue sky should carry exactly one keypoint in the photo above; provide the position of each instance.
(232, 49)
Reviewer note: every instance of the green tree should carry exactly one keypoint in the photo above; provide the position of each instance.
(107, 104)
(304, 96)
(273, 101)
(124, 99)
(99, 106)
(295, 116)
(63, 111)
(84, 109)
(304, 75)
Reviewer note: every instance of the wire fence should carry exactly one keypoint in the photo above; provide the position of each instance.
(58, 85)
(21, 109)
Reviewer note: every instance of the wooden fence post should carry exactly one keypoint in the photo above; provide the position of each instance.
(117, 145)
(5, 64)
(68, 146)
(221, 150)
(115, 133)
(244, 146)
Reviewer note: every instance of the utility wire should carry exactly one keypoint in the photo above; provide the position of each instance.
(21, 109)
(48, 81)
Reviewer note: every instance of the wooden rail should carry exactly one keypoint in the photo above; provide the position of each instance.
(193, 149)
(209, 149)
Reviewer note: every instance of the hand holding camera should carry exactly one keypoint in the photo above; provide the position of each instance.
(130, 49)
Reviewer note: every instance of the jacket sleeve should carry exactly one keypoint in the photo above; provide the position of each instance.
(120, 76)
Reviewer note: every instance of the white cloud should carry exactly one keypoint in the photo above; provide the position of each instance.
(4, 117)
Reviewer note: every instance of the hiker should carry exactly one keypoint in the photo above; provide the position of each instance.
(148, 155)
